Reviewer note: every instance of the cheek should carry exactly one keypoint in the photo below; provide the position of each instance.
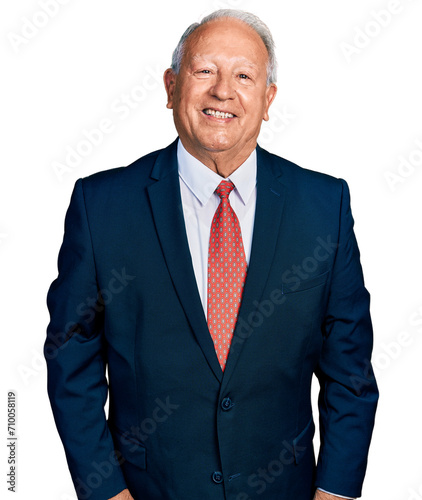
(189, 101)
(252, 102)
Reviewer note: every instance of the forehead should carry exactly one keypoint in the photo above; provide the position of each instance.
(223, 38)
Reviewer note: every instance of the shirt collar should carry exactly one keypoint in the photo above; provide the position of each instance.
(202, 181)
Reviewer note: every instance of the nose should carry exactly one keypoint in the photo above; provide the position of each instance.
(223, 88)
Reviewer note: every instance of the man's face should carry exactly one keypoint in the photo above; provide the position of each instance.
(220, 96)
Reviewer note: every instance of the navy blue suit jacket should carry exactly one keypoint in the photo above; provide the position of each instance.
(127, 320)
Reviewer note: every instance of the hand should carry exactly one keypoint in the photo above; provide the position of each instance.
(321, 495)
(123, 495)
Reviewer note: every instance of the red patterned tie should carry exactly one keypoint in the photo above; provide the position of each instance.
(226, 273)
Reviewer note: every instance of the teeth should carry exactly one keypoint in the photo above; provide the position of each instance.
(218, 114)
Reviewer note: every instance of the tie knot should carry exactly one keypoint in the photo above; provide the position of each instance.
(224, 189)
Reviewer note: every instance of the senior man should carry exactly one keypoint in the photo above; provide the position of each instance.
(212, 279)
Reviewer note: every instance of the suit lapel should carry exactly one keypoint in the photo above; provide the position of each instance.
(167, 211)
(166, 205)
(269, 208)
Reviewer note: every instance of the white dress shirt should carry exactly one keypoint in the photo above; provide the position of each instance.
(199, 201)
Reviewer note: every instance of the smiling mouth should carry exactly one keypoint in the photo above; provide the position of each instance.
(217, 114)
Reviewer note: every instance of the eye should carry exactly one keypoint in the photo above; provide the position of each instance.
(203, 73)
(243, 76)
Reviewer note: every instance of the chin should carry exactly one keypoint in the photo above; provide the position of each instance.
(217, 145)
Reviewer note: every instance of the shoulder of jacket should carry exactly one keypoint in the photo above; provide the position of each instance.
(293, 174)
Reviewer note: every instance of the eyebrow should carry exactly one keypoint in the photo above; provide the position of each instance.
(242, 61)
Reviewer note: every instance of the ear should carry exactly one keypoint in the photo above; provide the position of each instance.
(269, 97)
(170, 84)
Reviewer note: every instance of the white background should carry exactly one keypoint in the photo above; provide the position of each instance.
(355, 117)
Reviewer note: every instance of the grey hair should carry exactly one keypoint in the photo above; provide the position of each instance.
(251, 20)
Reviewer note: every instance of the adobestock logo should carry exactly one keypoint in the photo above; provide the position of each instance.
(388, 353)
(415, 495)
(406, 167)
(86, 311)
(3, 237)
(394, 349)
(293, 277)
(139, 434)
(364, 35)
(100, 472)
(119, 110)
(32, 25)
(279, 121)
(264, 476)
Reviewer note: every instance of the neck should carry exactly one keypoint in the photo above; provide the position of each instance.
(224, 163)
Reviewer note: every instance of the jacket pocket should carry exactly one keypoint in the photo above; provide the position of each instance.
(300, 285)
(303, 441)
(130, 447)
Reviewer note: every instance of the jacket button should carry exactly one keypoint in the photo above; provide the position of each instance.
(217, 477)
(227, 404)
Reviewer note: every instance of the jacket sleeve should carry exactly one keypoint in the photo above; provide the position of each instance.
(75, 355)
(348, 391)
